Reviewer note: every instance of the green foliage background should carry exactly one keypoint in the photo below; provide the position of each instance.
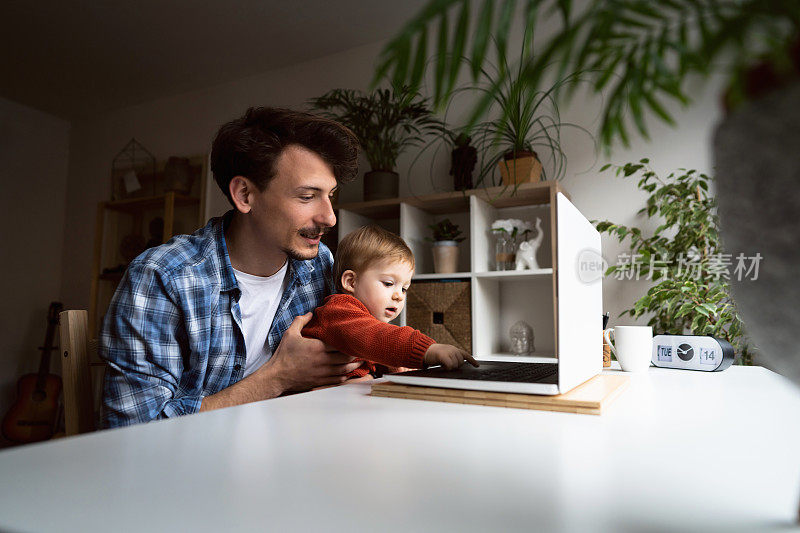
(639, 53)
(683, 299)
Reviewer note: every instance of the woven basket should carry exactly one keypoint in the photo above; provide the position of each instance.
(442, 310)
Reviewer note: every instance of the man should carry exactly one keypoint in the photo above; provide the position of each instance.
(213, 319)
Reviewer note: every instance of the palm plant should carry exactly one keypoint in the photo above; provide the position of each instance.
(526, 120)
(642, 51)
(387, 121)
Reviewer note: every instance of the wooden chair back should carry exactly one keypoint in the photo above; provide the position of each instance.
(78, 353)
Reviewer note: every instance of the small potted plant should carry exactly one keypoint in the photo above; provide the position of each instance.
(446, 237)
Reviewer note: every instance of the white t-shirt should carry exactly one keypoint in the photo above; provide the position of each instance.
(258, 303)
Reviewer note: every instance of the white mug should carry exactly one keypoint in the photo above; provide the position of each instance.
(633, 346)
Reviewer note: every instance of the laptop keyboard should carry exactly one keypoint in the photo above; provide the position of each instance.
(518, 373)
(496, 371)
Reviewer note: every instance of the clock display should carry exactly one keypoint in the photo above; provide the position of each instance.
(664, 353)
(708, 356)
(685, 352)
(691, 352)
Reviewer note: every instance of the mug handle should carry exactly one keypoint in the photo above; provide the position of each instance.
(607, 336)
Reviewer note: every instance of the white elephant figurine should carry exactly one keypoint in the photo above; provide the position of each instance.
(526, 254)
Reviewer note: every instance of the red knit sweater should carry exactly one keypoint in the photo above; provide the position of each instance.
(344, 323)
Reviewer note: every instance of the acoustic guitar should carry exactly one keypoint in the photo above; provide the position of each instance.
(32, 418)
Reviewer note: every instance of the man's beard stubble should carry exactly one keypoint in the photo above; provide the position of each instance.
(309, 233)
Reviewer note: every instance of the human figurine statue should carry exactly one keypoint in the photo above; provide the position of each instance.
(521, 339)
(526, 254)
(463, 159)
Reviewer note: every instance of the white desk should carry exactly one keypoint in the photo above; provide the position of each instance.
(337, 459)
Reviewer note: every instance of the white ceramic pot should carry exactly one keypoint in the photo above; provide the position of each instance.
(445, 257)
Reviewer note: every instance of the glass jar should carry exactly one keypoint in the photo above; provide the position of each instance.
(505, 249)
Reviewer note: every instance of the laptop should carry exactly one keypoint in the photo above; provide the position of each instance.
(578, 270)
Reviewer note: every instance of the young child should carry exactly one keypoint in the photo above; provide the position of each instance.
(373, 269)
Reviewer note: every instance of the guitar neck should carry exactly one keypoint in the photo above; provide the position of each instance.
(44, 364)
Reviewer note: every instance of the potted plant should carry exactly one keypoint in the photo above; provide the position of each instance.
(525, 123)
(387, 122)
(446, 237)
(683, 257)
(525, 120)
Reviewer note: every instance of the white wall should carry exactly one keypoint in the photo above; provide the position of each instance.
(182, 125)
(185, 124)
(33, 174)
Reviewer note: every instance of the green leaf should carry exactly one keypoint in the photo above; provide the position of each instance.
(636, 111)
(658, 108)
(712, 310)
(503, 28)
(419, 61)
(603, 226)
(441, 62)
(481, 40)
(457, 52)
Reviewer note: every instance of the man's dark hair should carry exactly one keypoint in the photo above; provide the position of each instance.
(250, 145)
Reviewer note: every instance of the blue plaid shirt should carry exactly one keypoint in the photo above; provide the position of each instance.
(173, 332)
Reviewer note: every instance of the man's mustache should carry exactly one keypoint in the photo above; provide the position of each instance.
(311, 233)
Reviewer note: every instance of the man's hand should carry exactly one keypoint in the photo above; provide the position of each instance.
(299, 363)
(448, 356)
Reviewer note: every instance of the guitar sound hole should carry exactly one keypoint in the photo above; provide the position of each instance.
(38, 396)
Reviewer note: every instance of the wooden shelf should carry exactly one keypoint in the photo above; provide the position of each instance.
(515, 274)
(135, 205)
(498, 299)
(455, 275)
(134, 211)
(506, 274)
(458, 201)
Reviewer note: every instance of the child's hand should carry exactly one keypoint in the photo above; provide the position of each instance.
(448, 356)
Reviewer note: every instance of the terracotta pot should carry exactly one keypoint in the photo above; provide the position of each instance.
(526, 169)
(445, 257)
(381, 185)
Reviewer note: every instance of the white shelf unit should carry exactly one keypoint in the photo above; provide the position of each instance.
(499, 298)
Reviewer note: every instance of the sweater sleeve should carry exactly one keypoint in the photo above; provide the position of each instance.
(344, 323)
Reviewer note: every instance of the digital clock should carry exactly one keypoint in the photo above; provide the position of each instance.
(692, 352)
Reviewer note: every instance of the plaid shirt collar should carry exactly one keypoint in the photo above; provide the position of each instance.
(299, 270)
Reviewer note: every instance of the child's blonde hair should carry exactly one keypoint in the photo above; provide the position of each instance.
(364, 246)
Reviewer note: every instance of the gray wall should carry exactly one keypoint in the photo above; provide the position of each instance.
(33, 173)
